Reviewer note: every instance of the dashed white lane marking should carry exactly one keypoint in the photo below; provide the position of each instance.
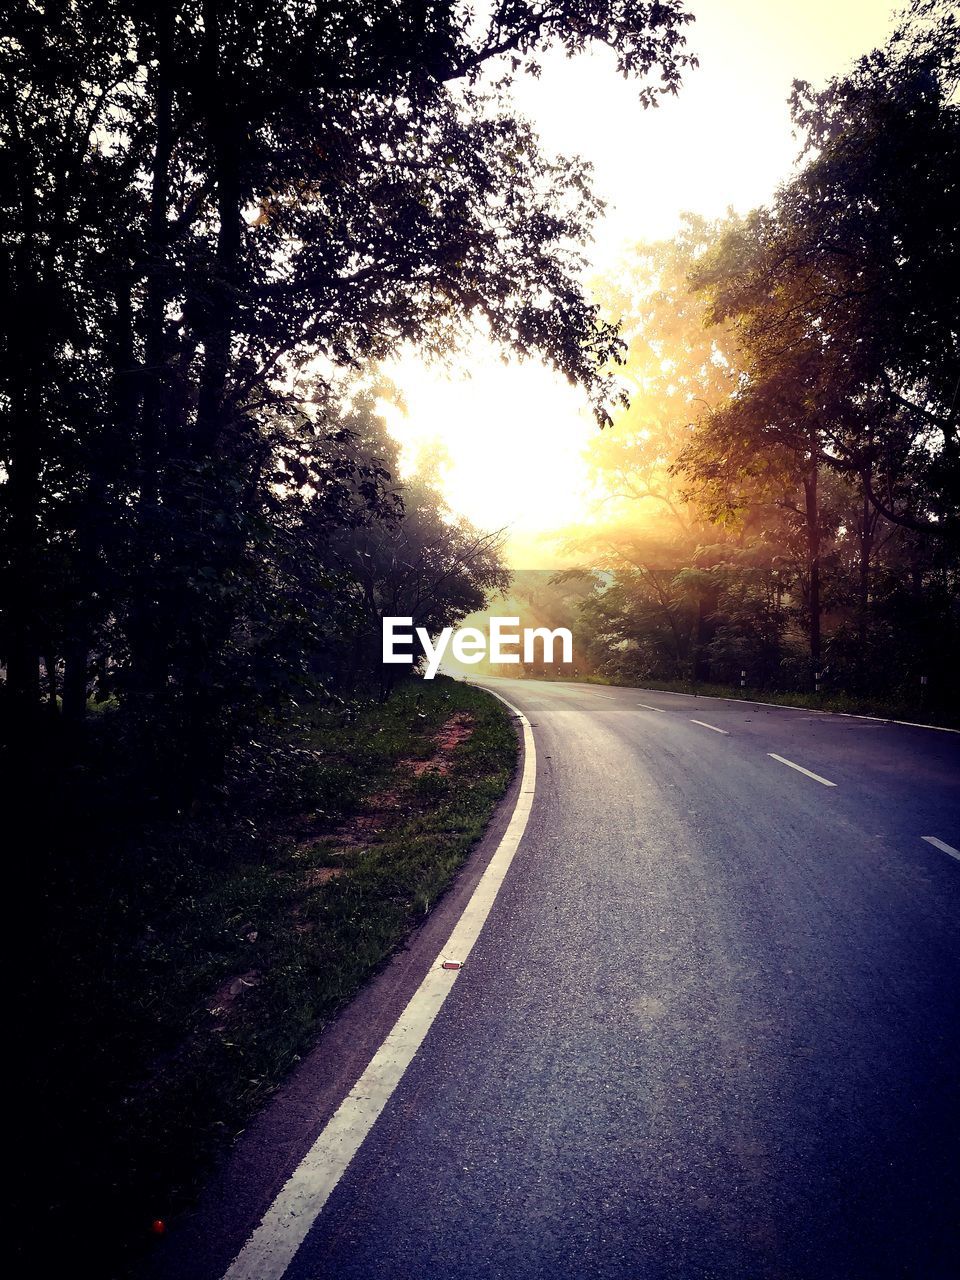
(942, 846)
(647, 707)
(800, 769)
(271, 1247)
(710, 726)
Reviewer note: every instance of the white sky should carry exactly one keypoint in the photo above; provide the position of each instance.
(514, 433)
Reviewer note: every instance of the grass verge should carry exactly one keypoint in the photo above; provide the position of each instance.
(194, 964)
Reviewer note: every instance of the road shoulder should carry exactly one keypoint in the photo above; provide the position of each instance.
(252, 1171)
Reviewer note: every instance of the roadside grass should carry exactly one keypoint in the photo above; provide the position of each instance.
(848, 704)
(194, 965)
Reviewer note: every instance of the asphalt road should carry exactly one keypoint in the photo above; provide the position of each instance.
(711, 1028)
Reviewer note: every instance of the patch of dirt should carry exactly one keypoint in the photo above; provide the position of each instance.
(229, 992)
(359, 830)
(379, 809)
(317, 876)
(353, 835)
(456, 730)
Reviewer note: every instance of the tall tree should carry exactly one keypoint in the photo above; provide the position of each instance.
(840, 298)
(209, 212)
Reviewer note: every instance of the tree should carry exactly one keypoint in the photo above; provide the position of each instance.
(840, 299)
(425, 563)
(674, 365)
(212, 211)
(645, 528)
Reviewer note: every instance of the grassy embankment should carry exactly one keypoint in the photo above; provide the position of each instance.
(194, 964)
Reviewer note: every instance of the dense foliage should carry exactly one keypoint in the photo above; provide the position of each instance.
(216, 220)
(783, 496)
(211, 215)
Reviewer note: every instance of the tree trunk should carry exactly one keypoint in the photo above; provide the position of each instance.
(707, 603)
(23, 482)
(868, 525)
(812, 511)
(75, 679)
(147, 649)
(23, 657)
(50, 670)
(222, 130)
(216, 545)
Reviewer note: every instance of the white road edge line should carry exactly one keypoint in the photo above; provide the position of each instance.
(647, 707)
(704, 724)
(942, 846)
(271, 1248)
(800, 769)
(814, 711)
(915, 724)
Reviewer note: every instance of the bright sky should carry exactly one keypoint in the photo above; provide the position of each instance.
(514, 433)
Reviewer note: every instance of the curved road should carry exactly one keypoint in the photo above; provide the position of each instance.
(711, 1028)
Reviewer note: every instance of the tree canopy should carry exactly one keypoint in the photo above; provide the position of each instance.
(783, 494)
(215, 216)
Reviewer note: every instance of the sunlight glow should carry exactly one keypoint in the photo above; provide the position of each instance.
(498, 424)
(725, 141)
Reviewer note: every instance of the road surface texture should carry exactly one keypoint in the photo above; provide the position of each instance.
(711, 1028)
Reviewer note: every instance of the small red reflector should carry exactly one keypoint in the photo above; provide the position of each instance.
(158, 1226)
(451, 964)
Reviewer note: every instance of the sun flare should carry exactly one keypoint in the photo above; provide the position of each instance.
(497, 424)
(500, 424)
